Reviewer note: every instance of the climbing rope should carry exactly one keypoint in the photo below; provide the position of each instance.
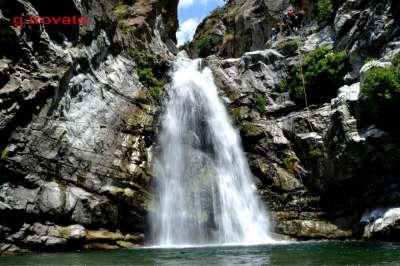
(302, 38)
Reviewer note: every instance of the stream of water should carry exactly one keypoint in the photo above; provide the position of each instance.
(300, 253)
(204, 190)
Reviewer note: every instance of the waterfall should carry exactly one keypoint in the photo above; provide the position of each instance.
(203, 188)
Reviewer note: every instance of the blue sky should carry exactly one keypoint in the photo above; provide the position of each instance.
(191, 13)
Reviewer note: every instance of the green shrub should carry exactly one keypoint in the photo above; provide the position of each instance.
(290, 163)
(4, 154)
(302, 126)
(282, 86)
(148, 72)
(261, 103)
(315, 153)
(205, 46)
(121, 10)
(290, 46)
(324, 9)
(396, 60)
(143, 58)
(147, 78)
(218, 12)
(323, 72)
(380, 96)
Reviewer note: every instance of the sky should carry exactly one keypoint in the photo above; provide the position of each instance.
(191, 13)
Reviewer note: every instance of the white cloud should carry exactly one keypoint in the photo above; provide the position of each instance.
(186, 3)
(187, 30)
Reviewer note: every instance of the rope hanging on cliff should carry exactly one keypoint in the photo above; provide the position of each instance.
(303, 79)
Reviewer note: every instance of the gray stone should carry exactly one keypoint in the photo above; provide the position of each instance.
(384, 227)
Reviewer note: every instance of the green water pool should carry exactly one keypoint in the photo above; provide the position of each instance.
(300, 253)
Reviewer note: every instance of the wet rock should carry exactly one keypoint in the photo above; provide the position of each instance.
(252, 131)
(49, 236)
(102, 235)
(306, 229)
(266, 56)
(385, 227)
(125, 244)
(101, 246)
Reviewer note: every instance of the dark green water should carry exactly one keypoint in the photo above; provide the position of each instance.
(306, 253)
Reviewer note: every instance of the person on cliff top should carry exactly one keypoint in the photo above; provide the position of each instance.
(274, 34)
(293, 19)
(286, 24)
(291, 14)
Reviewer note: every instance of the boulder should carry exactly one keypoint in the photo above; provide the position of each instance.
(308, 229)
(384, 226)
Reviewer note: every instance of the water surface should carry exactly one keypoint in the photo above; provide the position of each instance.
(306, 253)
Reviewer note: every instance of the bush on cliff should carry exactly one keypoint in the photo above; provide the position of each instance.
(261, 103)
(380, 95)
(149, 71)
(323, 72)
(324, 10)
(121, 10)
(207, 45)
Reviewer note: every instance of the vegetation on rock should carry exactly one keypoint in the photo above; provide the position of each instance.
(121, 10)
(380, 95)
(4, 154)
(148, 69)
(206, 41)
(289, 46)
(315, 153)
(325, 10)
(260, 102)
(205, 46)
(323, 71)
(290, 163)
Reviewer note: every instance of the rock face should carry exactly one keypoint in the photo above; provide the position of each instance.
(239, 27)
(79, 111)
(319, 168)
(77, 123)
(384, 226)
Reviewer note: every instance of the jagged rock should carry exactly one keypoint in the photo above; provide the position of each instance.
(307, 229)
(49, 236)
(268, 57)
(50, 199)
(102, 235)
(385, 227)
(288, 46)
(66, 103)
(325, 37)
(252, 131)
(363, 28)
(77, 125)
(242, 26)
(350, 93)
(125, 244)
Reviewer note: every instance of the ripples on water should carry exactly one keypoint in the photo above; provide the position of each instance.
(300, 253)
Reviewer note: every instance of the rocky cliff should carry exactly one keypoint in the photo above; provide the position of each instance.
(325, 169)
(77, 106)
(79, 111)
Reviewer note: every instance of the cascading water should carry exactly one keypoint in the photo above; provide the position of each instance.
(204, 192)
